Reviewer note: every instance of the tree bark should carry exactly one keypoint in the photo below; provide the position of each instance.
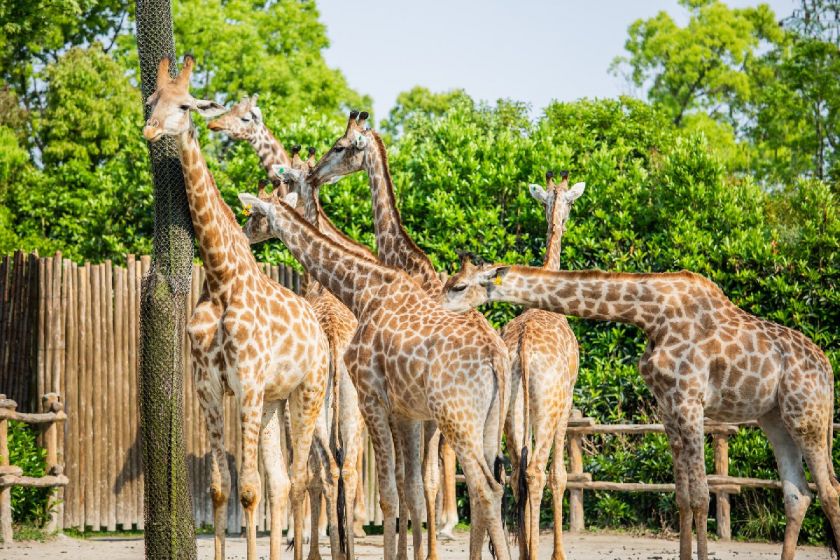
(169, 530)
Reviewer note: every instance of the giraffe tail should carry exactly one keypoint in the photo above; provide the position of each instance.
(830, 448)
(335, 376)
(522, 487)
(501, 371)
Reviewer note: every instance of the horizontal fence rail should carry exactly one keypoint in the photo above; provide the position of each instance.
(12, 475)
(74, 330)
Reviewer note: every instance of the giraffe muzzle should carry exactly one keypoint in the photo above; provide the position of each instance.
(152, 131)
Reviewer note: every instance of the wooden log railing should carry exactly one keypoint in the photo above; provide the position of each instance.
(11, 475)
(720, 483)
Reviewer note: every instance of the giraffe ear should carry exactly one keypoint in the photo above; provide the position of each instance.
(255, 205)
(256, 112)
(574, 193)
(153, 98)
(208, 109)
(291, 199)
(493, 274)
(538, 193)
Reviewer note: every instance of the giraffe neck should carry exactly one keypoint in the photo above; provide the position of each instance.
(269, 149)
(638, 299)
(353, 280)
(394, 246)
(315, 215)
(218, 234)
(553, 242)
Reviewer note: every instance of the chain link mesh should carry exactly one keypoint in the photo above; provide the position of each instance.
(169, 529)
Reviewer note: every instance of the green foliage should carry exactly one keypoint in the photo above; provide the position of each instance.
(701, 65)
(658, 198)
(769, 93)
(29, 505)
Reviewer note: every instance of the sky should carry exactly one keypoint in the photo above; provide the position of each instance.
(528, 50)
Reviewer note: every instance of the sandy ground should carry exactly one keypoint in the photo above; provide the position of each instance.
(588, 546)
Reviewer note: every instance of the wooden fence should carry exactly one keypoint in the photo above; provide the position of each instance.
(74, 330)
(12, 475)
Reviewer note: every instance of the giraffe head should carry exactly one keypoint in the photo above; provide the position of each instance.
(557, 199)
(171, 103)
(472, 285)
(347, 155)
(256, 228)
(295, 176)
(291, 181)
(242, 122)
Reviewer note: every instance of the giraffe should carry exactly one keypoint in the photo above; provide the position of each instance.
(704, 357)
(244, 122)
(339, 324)
(250, 336)
(410, 358)
(356, 150)
(544, 361)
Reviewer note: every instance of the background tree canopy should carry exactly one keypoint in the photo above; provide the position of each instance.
(728, 167)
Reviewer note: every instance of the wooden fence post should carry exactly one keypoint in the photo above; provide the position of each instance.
(576, 522)
(5, 491)
(53, 404)
(721, 443)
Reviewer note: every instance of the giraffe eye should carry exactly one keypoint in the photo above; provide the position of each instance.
(459, 288)
(338, 149)
(245, 119)
(185, 107)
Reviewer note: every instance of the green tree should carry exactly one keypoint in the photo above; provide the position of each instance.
(421, 101)
(700, 66)
(793, 118)
(89, 198)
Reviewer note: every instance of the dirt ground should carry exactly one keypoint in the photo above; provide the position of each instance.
(587, 546)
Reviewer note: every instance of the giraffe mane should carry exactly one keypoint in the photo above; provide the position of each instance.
(391, 196)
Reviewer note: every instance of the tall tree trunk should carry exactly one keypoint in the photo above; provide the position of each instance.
(169, 531)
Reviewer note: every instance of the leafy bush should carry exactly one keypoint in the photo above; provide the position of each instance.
(29, 505)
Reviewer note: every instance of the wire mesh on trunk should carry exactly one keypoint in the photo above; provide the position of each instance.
(169, 530)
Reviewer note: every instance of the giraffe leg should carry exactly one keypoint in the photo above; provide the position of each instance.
(399, 472)
(277, 478)
(360, 509)
(809, 427)
(328, 499)
(411, 437)
(794, 486)
(210, 398)
(376, 419)
(557, 480)
(478, 528)
(681, 485)
(431, 475)
(449, 513)
(485, 506)
(351, 426)
(304, 408)
(315, 488)
(544, 421)
(350, 476)
(691, 430)
(515, 436)
(815, 457)
(250, 486)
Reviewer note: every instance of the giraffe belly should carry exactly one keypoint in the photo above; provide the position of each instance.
(738, 403)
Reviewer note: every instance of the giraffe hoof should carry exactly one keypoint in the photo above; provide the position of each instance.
(446, 535)
(359, 531)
